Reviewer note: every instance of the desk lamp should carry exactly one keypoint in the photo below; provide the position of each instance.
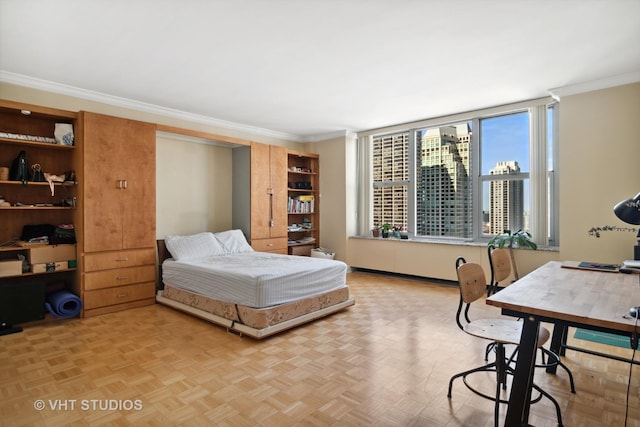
(629, 211)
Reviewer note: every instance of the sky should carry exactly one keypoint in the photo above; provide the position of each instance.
(505, 138)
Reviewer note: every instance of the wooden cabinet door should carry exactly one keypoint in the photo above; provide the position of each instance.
(139, 171)
(268, 191)
(278, 174)
(119, 183)
(260, 185)
(102, 198)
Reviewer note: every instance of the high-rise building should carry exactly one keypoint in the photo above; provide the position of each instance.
(391, 169)
(506, 209)
(443, 190)
(443, 185)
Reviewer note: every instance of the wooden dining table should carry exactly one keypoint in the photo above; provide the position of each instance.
(563, 293)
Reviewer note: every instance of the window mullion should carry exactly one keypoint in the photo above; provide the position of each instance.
(538, 173)
(411, 187)
(476, 182)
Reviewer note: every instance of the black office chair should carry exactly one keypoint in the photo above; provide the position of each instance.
(500, 263)
(500, 331)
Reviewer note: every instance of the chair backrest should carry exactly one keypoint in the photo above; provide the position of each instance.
(500, 263)
(473, 286)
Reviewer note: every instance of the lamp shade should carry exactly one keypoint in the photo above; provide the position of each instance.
(629, 210)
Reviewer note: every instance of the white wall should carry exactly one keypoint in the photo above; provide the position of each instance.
(337, 192)
(599, 158)
(193, 185)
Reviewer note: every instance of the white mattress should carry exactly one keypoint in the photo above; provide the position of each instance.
(255, 279)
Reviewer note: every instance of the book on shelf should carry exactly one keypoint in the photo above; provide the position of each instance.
(301, 204)
(303, 241)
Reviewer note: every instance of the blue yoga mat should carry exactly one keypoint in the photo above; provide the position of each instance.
(63, 304)
(602, 338)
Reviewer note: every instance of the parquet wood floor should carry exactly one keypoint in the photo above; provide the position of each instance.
(384, 362)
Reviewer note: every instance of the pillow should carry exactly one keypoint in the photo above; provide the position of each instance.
(233, 241)
(201, 245)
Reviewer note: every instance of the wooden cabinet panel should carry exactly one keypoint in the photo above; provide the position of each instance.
(268, 191)
(119, 277)
(302, 250)
(119, 183)
(260, 196)
(119, 259)
(118, 269)
(120, 295)
(270, 245)
(278, 161)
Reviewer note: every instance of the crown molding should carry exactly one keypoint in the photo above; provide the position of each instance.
(619, 80)
(61, 89)
(331, 135)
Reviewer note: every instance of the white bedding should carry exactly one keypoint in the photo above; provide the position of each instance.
(255, 279)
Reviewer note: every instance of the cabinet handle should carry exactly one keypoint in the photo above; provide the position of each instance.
(122, 295)
(122, 259)
(269, 244)
(121, 278)
(271, 221)
(121, 184)
(125, 184)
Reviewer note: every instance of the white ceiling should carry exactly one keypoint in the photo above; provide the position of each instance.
(308, 68)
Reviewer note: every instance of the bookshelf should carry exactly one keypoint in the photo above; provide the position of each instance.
(303, 202)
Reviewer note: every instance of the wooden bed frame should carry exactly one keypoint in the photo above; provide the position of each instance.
(234, 325)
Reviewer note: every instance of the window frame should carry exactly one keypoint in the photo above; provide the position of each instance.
(543, 200)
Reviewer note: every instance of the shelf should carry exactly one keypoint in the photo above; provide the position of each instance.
(38, 274)
(46, 183)
(302, 244)
(302, 173)
(300, 190)
(301, 213)
(12, 248)
(31, 207)
(37, 144)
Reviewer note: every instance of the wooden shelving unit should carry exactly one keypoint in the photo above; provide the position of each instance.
(33, 203)
(303, 207)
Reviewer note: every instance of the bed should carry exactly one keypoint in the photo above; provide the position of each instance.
(220, 278)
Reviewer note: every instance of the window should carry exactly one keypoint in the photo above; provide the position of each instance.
(504, 145)
(390, 179)
(469, 178)
(443, 181)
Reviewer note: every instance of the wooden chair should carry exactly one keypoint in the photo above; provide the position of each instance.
(500, 331)
(500, 263)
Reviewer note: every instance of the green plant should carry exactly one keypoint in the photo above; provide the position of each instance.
(386, 227)
(595, 231)
(519, 239)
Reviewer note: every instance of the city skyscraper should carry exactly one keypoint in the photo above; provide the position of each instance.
(391, 169)
(443, 190)
(443, 187)
(506, 207)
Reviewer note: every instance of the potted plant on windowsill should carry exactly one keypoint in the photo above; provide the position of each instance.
(386, 229)
(519, 239)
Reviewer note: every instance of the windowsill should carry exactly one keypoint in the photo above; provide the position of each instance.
(455, 242)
